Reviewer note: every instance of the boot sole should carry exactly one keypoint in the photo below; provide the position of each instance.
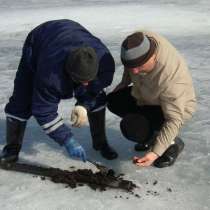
(8, 160)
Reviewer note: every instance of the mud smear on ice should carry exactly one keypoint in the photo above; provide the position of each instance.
(75, 178)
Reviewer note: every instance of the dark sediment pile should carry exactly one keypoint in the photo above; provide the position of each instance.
(74, 178)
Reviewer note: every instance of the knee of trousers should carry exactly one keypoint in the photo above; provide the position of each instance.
(135, 127)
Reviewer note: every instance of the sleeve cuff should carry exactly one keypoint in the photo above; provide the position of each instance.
(159, 149)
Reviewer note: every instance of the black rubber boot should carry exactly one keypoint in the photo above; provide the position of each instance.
(14, 137)
(97, 129)
(170, 155)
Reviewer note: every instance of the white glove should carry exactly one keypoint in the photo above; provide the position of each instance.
(79, 116)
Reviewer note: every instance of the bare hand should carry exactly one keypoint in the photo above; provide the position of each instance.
(146, 160)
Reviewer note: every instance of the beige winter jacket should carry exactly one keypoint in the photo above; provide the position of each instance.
(169, 85)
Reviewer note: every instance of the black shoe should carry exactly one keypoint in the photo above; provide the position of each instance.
(170, 155)
(108, 153)
(9, 154)
(141, 147)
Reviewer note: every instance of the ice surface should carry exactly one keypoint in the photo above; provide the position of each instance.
(187, 25)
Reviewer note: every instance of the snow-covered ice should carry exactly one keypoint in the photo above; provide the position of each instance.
(186, 24)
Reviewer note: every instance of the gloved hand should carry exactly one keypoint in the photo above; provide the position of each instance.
(79, 116)
(74, 149)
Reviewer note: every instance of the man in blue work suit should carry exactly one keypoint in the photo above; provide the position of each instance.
(60, 60)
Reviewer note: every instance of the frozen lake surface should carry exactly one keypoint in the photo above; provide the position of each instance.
(187, 25)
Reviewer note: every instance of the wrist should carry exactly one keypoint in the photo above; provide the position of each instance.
(155, 154)
(69, 141)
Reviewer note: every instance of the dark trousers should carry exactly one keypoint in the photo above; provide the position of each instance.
(19, 104)
(122, 103)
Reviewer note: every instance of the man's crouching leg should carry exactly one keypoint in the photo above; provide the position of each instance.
(136, 127)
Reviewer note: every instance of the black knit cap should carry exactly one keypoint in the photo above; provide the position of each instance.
(137, 49)
(82, 64)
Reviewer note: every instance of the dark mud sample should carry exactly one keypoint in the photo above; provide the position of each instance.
(151, 192)
(75, 178)
(169, 189)
(155, 182)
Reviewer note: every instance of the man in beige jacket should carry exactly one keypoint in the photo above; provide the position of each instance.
(154, 98)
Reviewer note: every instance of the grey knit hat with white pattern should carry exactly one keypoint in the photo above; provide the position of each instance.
(136, 50)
